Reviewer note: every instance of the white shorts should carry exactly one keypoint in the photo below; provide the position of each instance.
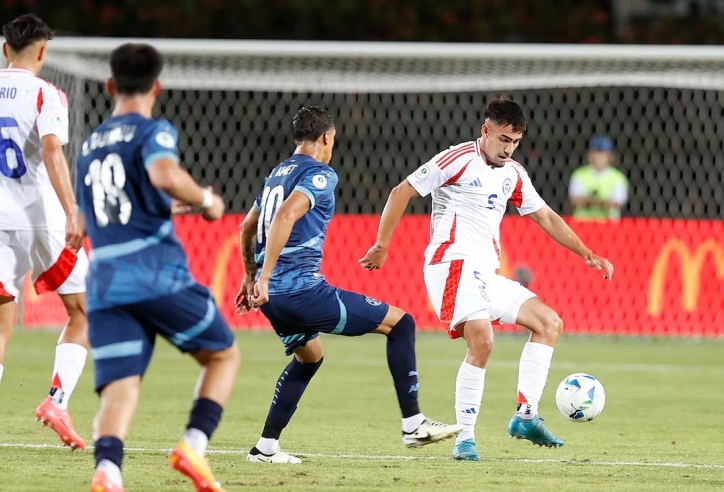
(55, 267)
(461, 291)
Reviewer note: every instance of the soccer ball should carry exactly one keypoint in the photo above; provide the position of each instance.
(580, 397)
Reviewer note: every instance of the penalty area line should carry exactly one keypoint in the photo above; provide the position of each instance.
(382, 457)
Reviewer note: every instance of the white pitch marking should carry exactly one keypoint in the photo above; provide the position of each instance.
(403, 457)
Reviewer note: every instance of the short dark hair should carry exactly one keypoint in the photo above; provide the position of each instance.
(135, 67)
(23, 31)
(310, 123)
(504, 112)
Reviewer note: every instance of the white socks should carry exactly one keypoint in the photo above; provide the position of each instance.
(535, 361)
(69, 363)
(197, 440)
(112, 471)
(267, 446)
(469, 387)
(410, 424)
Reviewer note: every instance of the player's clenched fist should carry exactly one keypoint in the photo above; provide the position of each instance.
(375, 258)
(261, 292)
(243, 298)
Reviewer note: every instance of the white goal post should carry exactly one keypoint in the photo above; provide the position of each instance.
(353, 67)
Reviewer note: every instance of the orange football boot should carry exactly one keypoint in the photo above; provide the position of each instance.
(187, 461)
(101, 483)
(59, 420)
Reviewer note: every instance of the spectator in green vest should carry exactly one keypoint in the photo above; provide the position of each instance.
(598, 190)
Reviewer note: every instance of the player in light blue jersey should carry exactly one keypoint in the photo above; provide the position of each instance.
(139, 284)
(281, 243)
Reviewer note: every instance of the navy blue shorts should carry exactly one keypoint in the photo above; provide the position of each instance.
(122, 337)
(302, 316)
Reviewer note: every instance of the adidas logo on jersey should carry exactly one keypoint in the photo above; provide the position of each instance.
(477, 183)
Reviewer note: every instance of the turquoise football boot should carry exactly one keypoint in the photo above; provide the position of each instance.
(534, 431)
(466, 451)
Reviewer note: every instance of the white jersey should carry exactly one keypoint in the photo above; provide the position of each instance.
(30, 109)
(469, 199)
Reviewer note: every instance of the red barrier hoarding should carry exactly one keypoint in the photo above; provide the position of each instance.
(669, 274)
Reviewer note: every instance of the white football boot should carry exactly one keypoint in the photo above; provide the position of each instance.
(256, 456)
(430, 431)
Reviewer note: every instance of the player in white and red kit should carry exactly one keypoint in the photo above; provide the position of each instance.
(471, 185)
(39, 227)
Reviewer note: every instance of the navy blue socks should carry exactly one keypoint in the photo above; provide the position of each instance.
(403, 365)
(289, 390)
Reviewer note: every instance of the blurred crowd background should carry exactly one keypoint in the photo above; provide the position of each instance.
(531, 21)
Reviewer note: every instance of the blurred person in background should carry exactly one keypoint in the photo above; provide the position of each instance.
(598, 190)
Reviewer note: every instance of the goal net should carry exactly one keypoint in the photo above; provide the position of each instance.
(397, 104)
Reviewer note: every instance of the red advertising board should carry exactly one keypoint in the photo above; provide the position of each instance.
(669, 274)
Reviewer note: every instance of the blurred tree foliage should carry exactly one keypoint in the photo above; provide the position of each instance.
(571, 21)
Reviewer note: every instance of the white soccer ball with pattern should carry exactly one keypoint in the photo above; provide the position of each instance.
(580, 397)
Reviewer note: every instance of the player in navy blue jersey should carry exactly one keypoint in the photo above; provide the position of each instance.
(281, 243)
(139, 284)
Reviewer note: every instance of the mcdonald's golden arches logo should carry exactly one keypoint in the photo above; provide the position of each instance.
(690, 266)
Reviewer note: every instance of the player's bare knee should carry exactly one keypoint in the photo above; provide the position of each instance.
(74, 305)
(311, 353)
(481, 345)
(552, 325)
(479, 337)
(393, 316)
(230, 356)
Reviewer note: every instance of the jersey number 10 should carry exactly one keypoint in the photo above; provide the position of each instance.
(271, 200)
(110, 201)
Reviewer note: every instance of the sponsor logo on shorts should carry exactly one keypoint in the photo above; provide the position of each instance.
(507, 184)
(372, 302)
(423, 172)
(319, 181)
(482, 285)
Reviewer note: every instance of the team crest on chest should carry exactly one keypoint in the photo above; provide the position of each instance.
(507, 184)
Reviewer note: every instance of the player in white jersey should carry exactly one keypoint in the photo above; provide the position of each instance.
(39, 227)
(471, 185)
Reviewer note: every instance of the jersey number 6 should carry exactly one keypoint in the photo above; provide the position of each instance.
(7, 144)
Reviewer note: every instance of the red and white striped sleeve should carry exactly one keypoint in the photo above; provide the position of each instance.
(52, 106)
(444, 169)
(525, 198)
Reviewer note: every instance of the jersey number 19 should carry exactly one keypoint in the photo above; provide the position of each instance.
(110, 201)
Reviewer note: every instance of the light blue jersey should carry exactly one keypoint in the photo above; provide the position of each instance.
(136, 255)
(299, 264)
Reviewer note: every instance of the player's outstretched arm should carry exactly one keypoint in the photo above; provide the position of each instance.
(280, 229)
(247, 235)
(396, 204)
(59, 175)
(554, 225)
(166, 175)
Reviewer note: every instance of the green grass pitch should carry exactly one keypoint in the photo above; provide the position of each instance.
(662, 427)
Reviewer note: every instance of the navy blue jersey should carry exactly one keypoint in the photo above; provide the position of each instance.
(299, 263)
(136, 255)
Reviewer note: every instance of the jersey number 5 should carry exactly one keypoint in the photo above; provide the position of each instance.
(110, 201)
(6, 145)
(271, 200)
